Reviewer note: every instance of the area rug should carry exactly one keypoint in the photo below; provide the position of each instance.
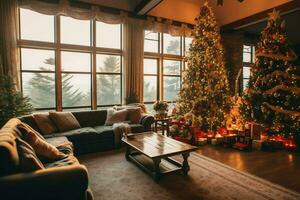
(112, 177)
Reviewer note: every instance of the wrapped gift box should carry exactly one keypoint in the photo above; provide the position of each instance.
(257, 144)
(201, 141)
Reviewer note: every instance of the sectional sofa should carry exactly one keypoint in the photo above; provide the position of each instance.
(59, 179)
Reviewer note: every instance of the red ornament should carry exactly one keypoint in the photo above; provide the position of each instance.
(222, 131)
(289, 144)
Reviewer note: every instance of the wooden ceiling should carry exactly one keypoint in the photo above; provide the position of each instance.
(232, 10)
(187, 10)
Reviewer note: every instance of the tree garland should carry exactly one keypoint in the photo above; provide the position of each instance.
(281, 110)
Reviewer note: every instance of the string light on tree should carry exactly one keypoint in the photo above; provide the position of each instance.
(204, 97)
(273, 95)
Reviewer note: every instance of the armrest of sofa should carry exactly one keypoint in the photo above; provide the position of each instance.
(67, 182)
(146, 120)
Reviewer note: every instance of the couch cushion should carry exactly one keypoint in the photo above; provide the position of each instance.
(91, 118)
(64, 121)
(134, 115)
(76, 132)
(58, 141)
(114, 116)
(29, 119)
(39, 144)
(104, 130)
(136, 128)
(28, 160)
(69, 160)
(9, 159)
(44, 123)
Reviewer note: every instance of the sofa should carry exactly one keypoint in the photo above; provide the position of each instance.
(60, 179)
(93, 135)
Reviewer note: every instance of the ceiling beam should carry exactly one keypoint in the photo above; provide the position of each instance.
(145, 6)
(284, 9)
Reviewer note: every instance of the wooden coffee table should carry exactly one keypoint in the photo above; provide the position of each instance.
(156, 148)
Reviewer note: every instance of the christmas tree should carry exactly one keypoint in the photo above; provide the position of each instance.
(272, 98)
(204, 92)
(12, 103)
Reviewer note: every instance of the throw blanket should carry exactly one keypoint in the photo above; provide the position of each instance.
(119, 129)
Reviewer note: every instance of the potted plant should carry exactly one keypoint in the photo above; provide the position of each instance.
(161, 108)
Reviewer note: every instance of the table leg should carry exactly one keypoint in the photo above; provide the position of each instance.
(185, 164)
(157, 173)
(168, 128)
(155, 126)
(127, 152)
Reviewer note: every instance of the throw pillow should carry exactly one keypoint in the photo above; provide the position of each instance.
(40, 146)
(44, 123)
(28, 160)
(134, 115)
(114, 116)
(64, 121)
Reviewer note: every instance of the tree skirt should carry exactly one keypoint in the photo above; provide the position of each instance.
(112, 177)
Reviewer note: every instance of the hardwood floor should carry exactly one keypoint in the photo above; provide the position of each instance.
(281, 167)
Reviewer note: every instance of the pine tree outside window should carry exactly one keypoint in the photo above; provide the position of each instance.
(163, 66)
(68, 63)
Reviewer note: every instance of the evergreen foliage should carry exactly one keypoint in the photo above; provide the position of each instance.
(272, 98)
(205, 92)
(12, 103)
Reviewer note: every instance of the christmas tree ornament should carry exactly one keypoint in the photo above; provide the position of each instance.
(208, 101)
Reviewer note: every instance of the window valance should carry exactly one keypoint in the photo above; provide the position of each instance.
(65, 8)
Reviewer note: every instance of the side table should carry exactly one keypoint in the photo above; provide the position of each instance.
(164, 124)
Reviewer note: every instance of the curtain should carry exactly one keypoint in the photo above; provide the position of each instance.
(134, 59)
(65, 8)
(9, 55)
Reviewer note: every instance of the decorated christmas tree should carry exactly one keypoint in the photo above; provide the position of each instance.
(12, 102)
(204, 93)
(272, 98)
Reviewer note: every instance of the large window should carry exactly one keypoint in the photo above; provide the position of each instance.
(248, 59)
(64, 65)
(163, 65)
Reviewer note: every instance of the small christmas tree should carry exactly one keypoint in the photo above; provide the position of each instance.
(204, 92)
(12, 103)
(272, 98)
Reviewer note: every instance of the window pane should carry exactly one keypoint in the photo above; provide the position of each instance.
(171, 67)
(188, 42)
(171, 44)
(151, 46)
(150, 88)
(246, 72)
(36, 59)
(149, 108)
(108, 89)
(108, 63)
(74, 31)
(76, 90)
(36, 26)
(245, 83)
(151, 35)
(75, 62)
(40, 87)
(108, 35)
(171, 88)
(247, 48)
(150, 66)
(247, 57)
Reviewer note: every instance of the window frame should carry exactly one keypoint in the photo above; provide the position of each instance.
(247, 64)
(58, 47)
(161, 56)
